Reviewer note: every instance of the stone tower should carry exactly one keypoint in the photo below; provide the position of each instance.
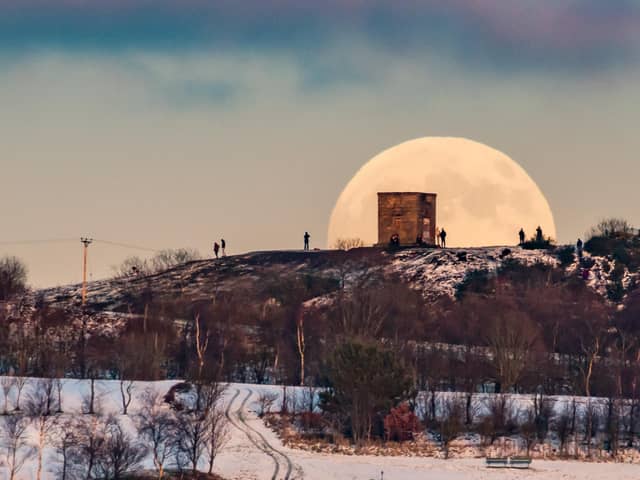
(408, 214)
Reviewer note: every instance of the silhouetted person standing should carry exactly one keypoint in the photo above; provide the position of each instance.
(223, 245)
(539, 237)
(521, 234)
(443, 238)
(306, 240)
(216, 248)
(579, 246)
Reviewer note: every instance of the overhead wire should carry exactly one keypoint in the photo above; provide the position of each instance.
(35, 242)
(126, 245)
(75, 239)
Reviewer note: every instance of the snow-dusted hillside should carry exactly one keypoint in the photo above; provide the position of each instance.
(434, 272)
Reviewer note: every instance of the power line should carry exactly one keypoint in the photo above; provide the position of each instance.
(75, 239)
(35, 242)
(127, 245)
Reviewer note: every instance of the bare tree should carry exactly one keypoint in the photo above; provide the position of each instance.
(194, 427)
(13, 277)
(121, 455)
(7, 384)
(40, 407)
(126, 394)
(300, 342)
(20, 383)
(157, 427)
(191, 439)
(91, 439)
(14, 442)
(127, 367)
(217, 435)
(65, 442)
(92, 400)
(510, 338)
(591, 337)
(57, 382)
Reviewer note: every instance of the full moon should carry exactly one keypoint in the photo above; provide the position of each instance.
(483, 196)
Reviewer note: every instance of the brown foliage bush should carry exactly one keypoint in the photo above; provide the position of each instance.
(401, 424)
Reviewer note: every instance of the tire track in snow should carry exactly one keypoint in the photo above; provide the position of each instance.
(241, 425)
(287, 460)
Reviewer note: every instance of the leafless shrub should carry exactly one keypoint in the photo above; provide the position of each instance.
(562, 425)
(529, 430)
(613, 423)
(266, 400)
(309, 399)
(610, 227)
(348, 243)
(163, 260)
(168, 258)
(591, 418)
(501, 419)
(543, 407)
(450, 422)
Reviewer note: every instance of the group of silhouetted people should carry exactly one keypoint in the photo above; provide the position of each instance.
(218, 247)
(539, 238)
(441, 239)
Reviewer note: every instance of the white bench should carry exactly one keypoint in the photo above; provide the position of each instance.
(497, 462)
(508, 462)
(519, 462)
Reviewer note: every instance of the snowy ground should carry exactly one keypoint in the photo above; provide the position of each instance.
(254, 451)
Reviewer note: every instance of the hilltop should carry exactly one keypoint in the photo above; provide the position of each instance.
(433, 272)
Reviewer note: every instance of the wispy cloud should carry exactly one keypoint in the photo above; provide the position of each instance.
(563, 34)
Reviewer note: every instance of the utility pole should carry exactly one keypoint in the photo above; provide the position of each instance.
(86, 242)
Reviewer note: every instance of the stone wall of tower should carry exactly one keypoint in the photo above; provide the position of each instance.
(408, 214)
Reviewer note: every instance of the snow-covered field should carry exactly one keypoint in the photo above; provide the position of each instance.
(255, 452)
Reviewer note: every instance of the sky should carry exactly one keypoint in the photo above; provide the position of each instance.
(165, 124)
